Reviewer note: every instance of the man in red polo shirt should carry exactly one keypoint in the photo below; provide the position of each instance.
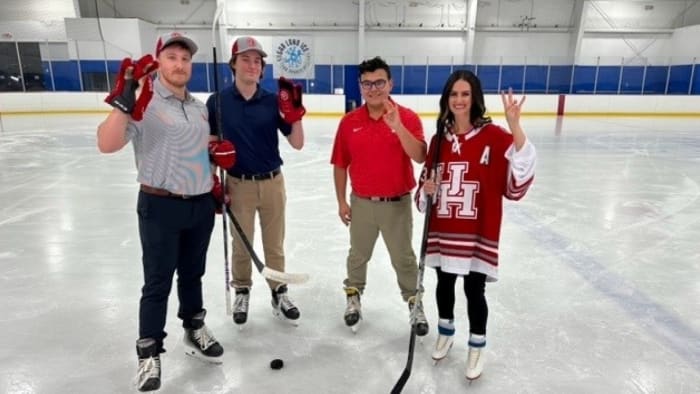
(374, 146)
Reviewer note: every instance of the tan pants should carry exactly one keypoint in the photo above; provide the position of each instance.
(394, 220)
(268, 198)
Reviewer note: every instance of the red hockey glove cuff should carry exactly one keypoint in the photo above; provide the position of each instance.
(123, 96)
(221, 198)
(222, 153)
(289, 99)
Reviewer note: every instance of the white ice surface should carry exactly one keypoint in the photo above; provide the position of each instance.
(599, 289)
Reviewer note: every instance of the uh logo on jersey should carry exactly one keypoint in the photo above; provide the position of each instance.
(293, 56)
(457, 195)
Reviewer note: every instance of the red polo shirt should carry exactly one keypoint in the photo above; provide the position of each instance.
(378, 164)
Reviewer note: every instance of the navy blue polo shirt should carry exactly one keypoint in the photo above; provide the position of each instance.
(252, 126)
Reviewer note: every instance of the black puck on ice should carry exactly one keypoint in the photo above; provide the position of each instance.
(276, 364)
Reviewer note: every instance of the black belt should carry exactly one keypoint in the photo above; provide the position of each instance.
(383, 199)
(166, 193)
(259, 177)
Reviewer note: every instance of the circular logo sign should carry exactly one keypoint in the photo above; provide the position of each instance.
(294, 56)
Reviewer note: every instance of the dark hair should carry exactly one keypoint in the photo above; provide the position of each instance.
(477, 113)
(233, 70)
(374, 64)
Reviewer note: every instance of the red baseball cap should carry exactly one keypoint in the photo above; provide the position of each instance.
(245, 44)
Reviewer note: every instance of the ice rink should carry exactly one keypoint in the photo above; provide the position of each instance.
(599, 288)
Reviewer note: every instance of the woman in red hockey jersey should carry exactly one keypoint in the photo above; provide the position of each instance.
(478, 164)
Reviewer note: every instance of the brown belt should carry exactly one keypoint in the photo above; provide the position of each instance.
(383, 199)
(166, 193)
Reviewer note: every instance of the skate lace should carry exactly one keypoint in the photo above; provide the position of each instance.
(443, 341)
(474, 355)
(417, 313)
(203, 337)
(241, 303)
(353, 303)
(148, 368)
(285, 303)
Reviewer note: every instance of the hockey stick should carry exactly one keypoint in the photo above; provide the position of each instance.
(267, 272)
(222, 173)
(104, 48)
(421, 270)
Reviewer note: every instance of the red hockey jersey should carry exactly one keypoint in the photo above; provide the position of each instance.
(476, 171)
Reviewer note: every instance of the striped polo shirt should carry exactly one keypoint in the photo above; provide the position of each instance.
(170, 143)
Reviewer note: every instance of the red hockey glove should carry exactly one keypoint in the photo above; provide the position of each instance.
(222, 153)
(123, 96)
(289, 99)
(217, 191)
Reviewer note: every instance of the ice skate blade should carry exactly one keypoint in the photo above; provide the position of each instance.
(282, 318)
(471, 380)
(211, 360)
(436, 361)
(355, 327)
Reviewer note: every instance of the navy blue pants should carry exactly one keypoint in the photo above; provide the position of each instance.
(175, 236)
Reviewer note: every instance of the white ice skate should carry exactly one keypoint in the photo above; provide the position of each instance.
(475, 360)
(442, 347)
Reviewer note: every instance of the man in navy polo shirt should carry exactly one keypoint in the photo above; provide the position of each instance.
(250, 117)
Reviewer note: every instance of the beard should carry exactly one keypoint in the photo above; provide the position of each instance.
(176, 79)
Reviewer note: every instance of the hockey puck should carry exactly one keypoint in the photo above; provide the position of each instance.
(276, 364)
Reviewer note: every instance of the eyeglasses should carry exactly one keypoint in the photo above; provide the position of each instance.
(367, 85)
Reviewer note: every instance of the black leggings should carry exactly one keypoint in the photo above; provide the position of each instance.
(474, 286)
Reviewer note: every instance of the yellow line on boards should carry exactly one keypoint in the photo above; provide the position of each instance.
(423, 114)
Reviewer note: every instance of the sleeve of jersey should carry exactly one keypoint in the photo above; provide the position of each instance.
(521, 170)
(420, 197)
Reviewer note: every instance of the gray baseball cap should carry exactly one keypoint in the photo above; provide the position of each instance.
(170, 38)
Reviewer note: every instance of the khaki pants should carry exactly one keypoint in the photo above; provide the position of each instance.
(268, 198)
(394, 220)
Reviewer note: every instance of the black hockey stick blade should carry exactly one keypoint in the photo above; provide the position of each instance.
(267, 272)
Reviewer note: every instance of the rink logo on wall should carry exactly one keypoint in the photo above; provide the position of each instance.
(293, 58)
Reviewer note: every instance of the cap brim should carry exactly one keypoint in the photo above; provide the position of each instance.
(187, 42)
(259, 51)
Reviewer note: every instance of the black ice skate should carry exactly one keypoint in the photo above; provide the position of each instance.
(418, 317)
(240, 305)
(353, 310)
(148, 373)
(283, 307)
(200, 342)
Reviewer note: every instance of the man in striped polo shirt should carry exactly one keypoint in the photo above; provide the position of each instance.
(170, 136)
